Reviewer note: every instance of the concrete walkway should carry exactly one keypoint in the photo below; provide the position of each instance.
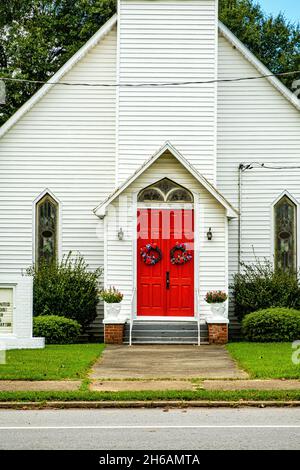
(189, 385)
(39, 385)
(166, 362)
(147, 385)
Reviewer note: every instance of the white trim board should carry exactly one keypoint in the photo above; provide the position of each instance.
(100, 210)
(92, 42)
(260, 67)
(102, 32)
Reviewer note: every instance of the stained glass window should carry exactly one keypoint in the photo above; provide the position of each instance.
(165, 190)
(46, 229)
(285, 234)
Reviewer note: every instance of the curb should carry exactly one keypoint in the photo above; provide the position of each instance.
(147, 404)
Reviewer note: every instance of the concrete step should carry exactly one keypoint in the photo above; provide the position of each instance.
(158, 332)
(159, 341)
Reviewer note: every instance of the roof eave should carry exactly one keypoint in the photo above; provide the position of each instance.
(261, 68)
(231, 212)
(92, 42)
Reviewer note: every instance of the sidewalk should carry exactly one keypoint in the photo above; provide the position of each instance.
(164, 385)
(147, 385)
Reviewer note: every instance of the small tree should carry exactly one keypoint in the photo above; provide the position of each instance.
(66, 288)
(259, 286)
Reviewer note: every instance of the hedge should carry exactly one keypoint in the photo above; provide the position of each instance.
(56, 329)
(272, 325)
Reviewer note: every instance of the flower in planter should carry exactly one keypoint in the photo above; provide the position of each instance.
(216, 296)
(111, 295)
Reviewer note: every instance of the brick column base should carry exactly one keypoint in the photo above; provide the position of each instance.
(113, 333)
(217, 333)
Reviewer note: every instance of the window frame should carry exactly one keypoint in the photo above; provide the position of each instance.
(165, 194)
(295, 203)
(36, 203)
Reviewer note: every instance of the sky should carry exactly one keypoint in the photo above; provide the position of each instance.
(291, 8)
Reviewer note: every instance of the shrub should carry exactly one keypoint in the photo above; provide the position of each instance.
(215, 296)
(259, 286)
(272, 325)
(66, 289)
(55, 329)
(111, 296)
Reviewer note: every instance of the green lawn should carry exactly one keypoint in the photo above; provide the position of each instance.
(266, 360)
(55, 362)
(183, 396)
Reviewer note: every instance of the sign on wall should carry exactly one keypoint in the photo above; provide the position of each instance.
(6, 310)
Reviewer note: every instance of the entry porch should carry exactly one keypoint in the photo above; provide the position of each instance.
(166, 246)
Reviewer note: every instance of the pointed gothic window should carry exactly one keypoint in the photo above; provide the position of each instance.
(165, 190)
(46, 229)
(285, 214)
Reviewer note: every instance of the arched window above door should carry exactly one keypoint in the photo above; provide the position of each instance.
(285, 218)
(46, 230)
(165, 190)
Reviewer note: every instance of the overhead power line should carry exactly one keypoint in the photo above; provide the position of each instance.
(255, 165)
(150, 84)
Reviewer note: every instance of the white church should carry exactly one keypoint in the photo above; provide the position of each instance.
(166, 150)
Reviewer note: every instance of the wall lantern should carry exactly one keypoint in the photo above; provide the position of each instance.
(209, 234)
(120, 234)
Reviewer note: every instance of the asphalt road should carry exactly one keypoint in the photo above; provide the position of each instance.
(193, 429)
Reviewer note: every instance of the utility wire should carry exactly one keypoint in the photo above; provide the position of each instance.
(150, 84)
(250, 166)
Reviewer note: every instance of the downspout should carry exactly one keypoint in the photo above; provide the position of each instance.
(240, 208)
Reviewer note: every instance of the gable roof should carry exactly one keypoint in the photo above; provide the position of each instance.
(100, 210)
(92, 42)
(102, 32)
(260, 67)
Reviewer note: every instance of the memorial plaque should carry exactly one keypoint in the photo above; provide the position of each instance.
(6, 310)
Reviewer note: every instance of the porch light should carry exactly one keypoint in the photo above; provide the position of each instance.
(120, 234)
(209, 234)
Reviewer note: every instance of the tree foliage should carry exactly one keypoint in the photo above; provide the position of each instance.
(38, 36)
(273, 39)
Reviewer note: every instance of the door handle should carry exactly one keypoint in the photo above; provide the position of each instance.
(167, 280)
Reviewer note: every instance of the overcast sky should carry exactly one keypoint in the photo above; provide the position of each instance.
(291, 8)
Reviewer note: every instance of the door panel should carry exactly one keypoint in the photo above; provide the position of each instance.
(154, 296)
(180, 302)
(150, 279)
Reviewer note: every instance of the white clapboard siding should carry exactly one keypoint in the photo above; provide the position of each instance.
(212, 254)
(167, 41)
(65, 143)
(255, 124)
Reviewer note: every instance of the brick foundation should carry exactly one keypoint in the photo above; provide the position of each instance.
(217, 333)
(113, 333)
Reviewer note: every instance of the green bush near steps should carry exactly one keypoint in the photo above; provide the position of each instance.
(272, 325)
(56, 329)
(259, 286)
(66, 288)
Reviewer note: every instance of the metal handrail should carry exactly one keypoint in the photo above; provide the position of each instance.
(132, 312)
(197, 295)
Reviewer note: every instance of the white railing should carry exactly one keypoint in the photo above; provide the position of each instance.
(197, 303)
(132, 314)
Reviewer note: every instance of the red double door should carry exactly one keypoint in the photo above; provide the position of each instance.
(165, 289)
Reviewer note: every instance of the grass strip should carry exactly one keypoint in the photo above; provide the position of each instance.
(216, 395)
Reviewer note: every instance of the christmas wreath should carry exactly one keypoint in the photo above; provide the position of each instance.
(179, 254)
(151, 254)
